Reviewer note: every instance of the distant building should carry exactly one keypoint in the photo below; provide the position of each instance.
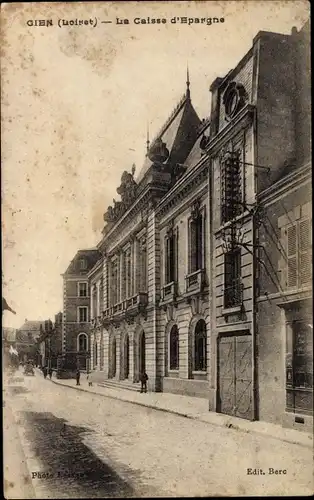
(50, 342)
(26, 339)
(8, 336)
(76, 306)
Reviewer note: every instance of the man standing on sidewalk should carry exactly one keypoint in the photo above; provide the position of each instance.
(78, 376)
(144, 378)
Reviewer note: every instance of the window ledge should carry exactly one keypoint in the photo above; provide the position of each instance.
(199, 372)
(231, 310)
(173, 371)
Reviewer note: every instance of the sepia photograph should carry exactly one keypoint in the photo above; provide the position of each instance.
(157, 323)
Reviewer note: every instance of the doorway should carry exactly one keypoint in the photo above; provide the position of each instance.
(142, 353)
(235, 376)
(126, 355)
(113, 358)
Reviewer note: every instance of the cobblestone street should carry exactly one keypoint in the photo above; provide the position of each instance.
(93, 446)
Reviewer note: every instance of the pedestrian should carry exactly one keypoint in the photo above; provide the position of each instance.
(50, 372)
(89, 380)
(143, 379)
(45, 371)
(78, 375)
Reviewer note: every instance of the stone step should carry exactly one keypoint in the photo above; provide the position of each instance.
(120, 384)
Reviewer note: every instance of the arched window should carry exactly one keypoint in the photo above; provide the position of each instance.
(200, 340)
(82, 342)
(174, 348)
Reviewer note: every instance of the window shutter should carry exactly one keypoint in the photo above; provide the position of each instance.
(305, 264)
(292, 257)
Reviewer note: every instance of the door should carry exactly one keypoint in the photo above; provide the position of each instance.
(126, 356)
(142, 363)
(235, 376)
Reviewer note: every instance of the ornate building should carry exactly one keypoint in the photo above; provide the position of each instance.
(132, 295)
(204, 275)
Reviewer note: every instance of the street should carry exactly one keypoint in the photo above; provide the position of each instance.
(81, 445)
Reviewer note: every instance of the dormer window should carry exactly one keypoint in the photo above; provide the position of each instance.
(83, 264)
(234, 99)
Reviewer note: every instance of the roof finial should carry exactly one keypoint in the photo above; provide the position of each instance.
(187, 81)
(147, 138)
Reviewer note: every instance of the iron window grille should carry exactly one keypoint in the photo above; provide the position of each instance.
(231, 187)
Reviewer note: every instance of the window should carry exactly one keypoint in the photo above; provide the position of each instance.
(94, 301)
(82, 315)
(231, 187)
(143, 265)
(299, 367)
(170, 256)
(82, 342)
(299, 258)
(233, 285)
(83, 264)
(174, 348)
(200, 349)
(82, 289)
(114, 282)
(127, 274)
(196, 240)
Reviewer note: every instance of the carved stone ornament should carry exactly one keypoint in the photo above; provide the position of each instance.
(158, 152)
(195, 212)
(195, 305)
(170, 229)
(128, 191)
(169, 312)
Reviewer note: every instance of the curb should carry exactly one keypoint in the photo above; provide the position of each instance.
(191, 417)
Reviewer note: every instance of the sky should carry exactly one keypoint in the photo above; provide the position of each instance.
(76, 103)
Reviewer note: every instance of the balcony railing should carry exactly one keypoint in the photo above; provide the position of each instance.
(132, 305)
(233, 294)
(194, 282)
(169, 292)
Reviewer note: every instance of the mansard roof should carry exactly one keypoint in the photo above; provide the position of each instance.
(196, 152)
(178, 134)
(90, 255)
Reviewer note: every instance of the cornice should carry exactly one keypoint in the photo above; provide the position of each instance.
(240, 121)
(183, 187)
(290, 181)
(147, 195)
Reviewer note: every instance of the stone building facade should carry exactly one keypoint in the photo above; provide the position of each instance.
(201, 280)
(284, 296)
(76, 307)
(257, 171)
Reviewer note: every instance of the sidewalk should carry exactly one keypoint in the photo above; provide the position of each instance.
(193, 408)
(17, 476)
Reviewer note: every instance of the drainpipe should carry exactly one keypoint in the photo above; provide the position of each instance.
(255, 241)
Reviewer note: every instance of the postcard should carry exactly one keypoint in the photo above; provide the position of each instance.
(157, 249)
